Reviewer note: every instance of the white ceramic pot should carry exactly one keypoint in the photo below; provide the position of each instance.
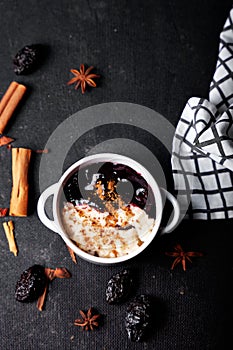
(56, 190)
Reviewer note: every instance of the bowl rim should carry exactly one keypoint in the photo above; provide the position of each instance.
(114, 158)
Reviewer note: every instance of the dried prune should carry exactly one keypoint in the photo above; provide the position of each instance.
(118, 172)
(71, 189)
(119, 287)
(126, 182)
(27, 59)
(138, 317)
(31, 284)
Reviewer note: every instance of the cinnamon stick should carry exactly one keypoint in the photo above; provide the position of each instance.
(9, 231)
(9, 102)
(19, 193)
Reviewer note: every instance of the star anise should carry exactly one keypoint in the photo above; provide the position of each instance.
(88, 320)
(58, 272)
(4, 211)
(83, 78)
(72, 254)
(181, 256)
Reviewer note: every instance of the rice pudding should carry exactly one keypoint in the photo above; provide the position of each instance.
(108, 217)
(104, 234)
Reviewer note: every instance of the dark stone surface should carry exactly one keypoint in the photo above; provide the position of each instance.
(154, 53)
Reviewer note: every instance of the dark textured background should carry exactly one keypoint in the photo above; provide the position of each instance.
(154, 53)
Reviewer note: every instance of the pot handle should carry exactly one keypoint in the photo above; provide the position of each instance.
(41, 208)
(176, 213)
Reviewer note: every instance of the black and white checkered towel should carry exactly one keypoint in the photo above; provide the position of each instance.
(202, 159)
